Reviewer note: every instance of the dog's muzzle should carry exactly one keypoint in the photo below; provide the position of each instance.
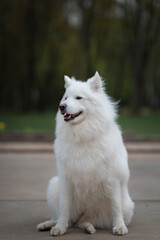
(67, 116)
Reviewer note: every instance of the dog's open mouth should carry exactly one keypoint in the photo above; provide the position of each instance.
(68, 117)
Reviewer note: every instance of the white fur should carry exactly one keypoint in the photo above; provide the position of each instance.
(91, 190)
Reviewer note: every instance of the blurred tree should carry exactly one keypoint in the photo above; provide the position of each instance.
(142, 21)
(30, 26)
(40, 41)
(84, 67)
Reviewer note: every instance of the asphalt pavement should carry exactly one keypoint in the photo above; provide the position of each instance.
(25, 170)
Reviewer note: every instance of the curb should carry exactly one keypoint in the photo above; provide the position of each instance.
(49, 137)
(34, 147)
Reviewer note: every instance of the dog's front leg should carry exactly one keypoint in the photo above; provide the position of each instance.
(119, 227)
(61, 227)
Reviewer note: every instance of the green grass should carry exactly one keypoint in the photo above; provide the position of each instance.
(27, 122)
(147, 125)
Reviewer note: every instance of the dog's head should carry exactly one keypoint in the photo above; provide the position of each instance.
(79, 98)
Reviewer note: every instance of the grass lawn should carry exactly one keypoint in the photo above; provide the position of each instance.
(148, 125)
(27, 122)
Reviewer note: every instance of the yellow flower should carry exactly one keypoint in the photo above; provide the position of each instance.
(29, 129)
(2, 126)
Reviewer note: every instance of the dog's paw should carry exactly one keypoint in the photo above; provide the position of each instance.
(58, 230)
(120, 230)
(46, 225)
(89, 228)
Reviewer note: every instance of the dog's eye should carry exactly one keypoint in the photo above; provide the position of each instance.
(65, 98)
(78, 98)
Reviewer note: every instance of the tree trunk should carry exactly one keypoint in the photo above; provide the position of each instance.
(84, 63)
(30, 38)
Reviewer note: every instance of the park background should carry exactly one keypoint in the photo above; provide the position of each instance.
(41, 41)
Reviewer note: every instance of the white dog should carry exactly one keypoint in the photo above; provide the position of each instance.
(91, 190)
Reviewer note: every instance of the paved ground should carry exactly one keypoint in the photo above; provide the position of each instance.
(23, 181)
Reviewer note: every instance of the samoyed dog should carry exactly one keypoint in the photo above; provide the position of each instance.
(91, 189)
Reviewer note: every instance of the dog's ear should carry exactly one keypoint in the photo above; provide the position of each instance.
(96, 82)
(67, 81)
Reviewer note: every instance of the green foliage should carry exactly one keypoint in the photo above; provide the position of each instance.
(40, 43)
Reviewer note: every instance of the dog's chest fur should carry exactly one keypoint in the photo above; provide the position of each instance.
(85, 170)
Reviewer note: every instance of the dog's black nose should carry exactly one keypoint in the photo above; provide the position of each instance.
(62, 107)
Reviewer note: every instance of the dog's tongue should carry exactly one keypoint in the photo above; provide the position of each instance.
(67, 116)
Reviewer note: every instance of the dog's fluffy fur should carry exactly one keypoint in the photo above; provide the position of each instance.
(91, 189)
